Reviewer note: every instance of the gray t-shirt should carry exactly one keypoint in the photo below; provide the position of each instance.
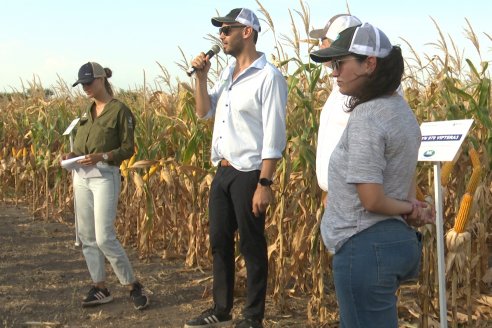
(379, 145)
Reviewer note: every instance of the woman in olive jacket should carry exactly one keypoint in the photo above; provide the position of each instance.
(105, 138)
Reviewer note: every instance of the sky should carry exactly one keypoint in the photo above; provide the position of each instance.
(48, 40)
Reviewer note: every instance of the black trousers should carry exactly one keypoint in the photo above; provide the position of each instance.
(230, 209)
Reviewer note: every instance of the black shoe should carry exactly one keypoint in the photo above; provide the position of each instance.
(139, 298)
(210, 319)
(97, 296)
(249, 323)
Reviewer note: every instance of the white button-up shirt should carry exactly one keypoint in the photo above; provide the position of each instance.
(332, 122)
(249, 115)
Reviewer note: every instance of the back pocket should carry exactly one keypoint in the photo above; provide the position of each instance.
(398, 261)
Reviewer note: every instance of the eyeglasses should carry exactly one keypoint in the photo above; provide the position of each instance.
(227, 29)
(336, 63)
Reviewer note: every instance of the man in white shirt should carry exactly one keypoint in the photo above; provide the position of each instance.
(333, 117)
(249, 105)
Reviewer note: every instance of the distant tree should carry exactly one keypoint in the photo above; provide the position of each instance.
(48, 93)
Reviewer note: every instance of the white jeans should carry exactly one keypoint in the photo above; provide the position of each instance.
(96, 203)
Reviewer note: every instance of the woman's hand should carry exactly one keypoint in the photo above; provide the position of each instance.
(67, 156)
(91, 159)
(422, 213)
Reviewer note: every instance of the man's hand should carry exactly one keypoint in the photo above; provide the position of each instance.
(201, 63)
(261, 199)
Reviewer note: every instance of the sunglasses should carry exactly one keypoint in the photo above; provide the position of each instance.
(336, 63)
(227, 29)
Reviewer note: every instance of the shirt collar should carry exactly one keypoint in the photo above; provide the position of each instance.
(259, 63)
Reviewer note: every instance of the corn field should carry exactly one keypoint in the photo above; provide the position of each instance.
(164, 196)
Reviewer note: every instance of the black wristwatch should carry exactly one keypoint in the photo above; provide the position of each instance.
(265, 182)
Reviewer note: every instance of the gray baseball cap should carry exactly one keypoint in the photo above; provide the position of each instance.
(239, 15)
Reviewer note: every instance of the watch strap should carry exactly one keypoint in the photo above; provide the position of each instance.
(265, 182)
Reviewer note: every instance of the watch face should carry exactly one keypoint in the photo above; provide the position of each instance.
(265, 182)
(105, 156)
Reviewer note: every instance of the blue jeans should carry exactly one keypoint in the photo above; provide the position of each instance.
(369, 268)
(96, 202)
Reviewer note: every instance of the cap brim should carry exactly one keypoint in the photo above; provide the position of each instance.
(317, 34)
(327, 54)
(218, 21)
(88, 80)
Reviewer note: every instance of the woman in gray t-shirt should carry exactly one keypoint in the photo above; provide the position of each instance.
(371, 179)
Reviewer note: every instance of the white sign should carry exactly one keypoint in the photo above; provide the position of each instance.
(71, 126)
(442, 140)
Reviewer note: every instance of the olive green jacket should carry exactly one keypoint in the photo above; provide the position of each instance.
(112, 131)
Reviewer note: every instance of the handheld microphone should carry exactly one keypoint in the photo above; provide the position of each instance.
(215, 50)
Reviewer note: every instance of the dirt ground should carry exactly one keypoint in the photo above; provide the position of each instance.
(43, 278)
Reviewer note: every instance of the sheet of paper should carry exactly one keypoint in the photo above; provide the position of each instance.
(83, 171)
(71, 164)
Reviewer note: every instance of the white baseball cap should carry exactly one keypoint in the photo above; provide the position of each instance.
(334, 26)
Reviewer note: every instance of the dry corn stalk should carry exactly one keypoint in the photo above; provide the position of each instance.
(446, 170)
(458, 241)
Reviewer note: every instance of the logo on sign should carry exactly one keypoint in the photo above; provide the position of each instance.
(429, 153)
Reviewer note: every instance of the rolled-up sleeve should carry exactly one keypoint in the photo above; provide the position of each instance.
(274, 112)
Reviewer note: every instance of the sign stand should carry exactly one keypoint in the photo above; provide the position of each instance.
(441, 268)
(440, 143)
(69, 132)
